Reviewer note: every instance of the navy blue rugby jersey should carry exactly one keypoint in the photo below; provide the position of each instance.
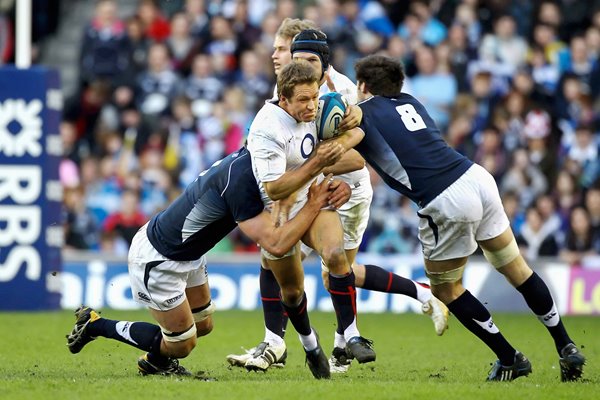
(404, 146)
(208, 209)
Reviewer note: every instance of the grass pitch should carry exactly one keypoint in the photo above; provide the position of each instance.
(412, 362)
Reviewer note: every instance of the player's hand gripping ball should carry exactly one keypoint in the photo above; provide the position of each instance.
(332, 107)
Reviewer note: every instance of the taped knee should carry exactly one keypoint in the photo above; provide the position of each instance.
(175, 337)
(205, 312)
(439, 278)
(502, 257)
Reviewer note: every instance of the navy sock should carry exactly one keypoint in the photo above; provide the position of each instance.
(343, 296)
(538, 298)
(476, 318)
(380, 280)
(298, 315)
(274, 315)
(136, 334)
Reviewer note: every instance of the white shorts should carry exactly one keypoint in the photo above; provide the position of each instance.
(468, 211)
(158, 282)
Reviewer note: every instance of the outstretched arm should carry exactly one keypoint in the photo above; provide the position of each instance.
(350, 138)
(277, 238)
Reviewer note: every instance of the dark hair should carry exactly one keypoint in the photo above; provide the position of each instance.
(381, 75)
(292, 75)
(312, 41)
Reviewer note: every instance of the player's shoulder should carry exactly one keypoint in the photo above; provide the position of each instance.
(343, 85)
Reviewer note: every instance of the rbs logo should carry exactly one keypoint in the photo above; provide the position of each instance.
(20, 188)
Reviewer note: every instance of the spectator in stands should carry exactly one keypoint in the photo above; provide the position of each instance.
(524, 178)
(138, 45)
(128, 220)
(181, 44)
(252, 79)
(183, 157)
(158, 84)
(503, 51)
(199, 19)
(81, 228)
(490, 154)
(156, 26)
(429, 29)
(513, 209)
(592, 205)
(580, 241)
(223, 42)
(509, 116)
(546, 38)
(533, 240)
(584, 149)
(551, 219)
(540, 143)
(567, 195)
(104, 48)
(433, 87)
(460, 55)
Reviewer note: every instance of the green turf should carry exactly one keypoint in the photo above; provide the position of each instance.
(412, 363)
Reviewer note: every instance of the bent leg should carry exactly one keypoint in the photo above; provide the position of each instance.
(446, 284)
(503, 253)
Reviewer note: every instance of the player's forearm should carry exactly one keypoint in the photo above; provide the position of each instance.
(285, 236)
(350, 138)
(351, 161)
(292, 180)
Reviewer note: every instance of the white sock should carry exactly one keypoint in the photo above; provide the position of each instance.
(272, 338)
(339, 341)
(309, 342)
(423, 293)
(351, 331)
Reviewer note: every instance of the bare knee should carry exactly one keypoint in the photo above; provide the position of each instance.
(204, 327)
(292, 295)
(516, 272)
(180, 349)
(335, 259)
(447, 292)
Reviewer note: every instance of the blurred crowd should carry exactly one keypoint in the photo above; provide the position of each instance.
(167, 91)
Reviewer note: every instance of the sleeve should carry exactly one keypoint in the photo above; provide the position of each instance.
(268, 154)
(243, 200)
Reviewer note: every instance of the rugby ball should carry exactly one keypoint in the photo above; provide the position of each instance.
(332, 107)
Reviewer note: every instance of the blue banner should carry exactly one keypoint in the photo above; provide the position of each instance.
(234, 285)
(234, 281)
(31, 233)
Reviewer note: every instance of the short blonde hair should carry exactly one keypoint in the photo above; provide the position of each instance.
(295, 74)
(290, 27)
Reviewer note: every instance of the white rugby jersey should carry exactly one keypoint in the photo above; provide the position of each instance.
(277, 143)
(359, 180)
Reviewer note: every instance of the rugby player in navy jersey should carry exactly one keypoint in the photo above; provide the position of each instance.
(460, 209)
(167, 266)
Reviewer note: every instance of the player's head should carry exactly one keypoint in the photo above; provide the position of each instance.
(311, 45)
(378, 75)
(298, 91)
(289, 28)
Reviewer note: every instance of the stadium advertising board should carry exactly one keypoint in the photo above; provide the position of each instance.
(30, 192)
(584, 293)
(234, 285)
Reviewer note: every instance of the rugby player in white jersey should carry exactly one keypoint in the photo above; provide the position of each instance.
(167, 266)
(311, 46)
